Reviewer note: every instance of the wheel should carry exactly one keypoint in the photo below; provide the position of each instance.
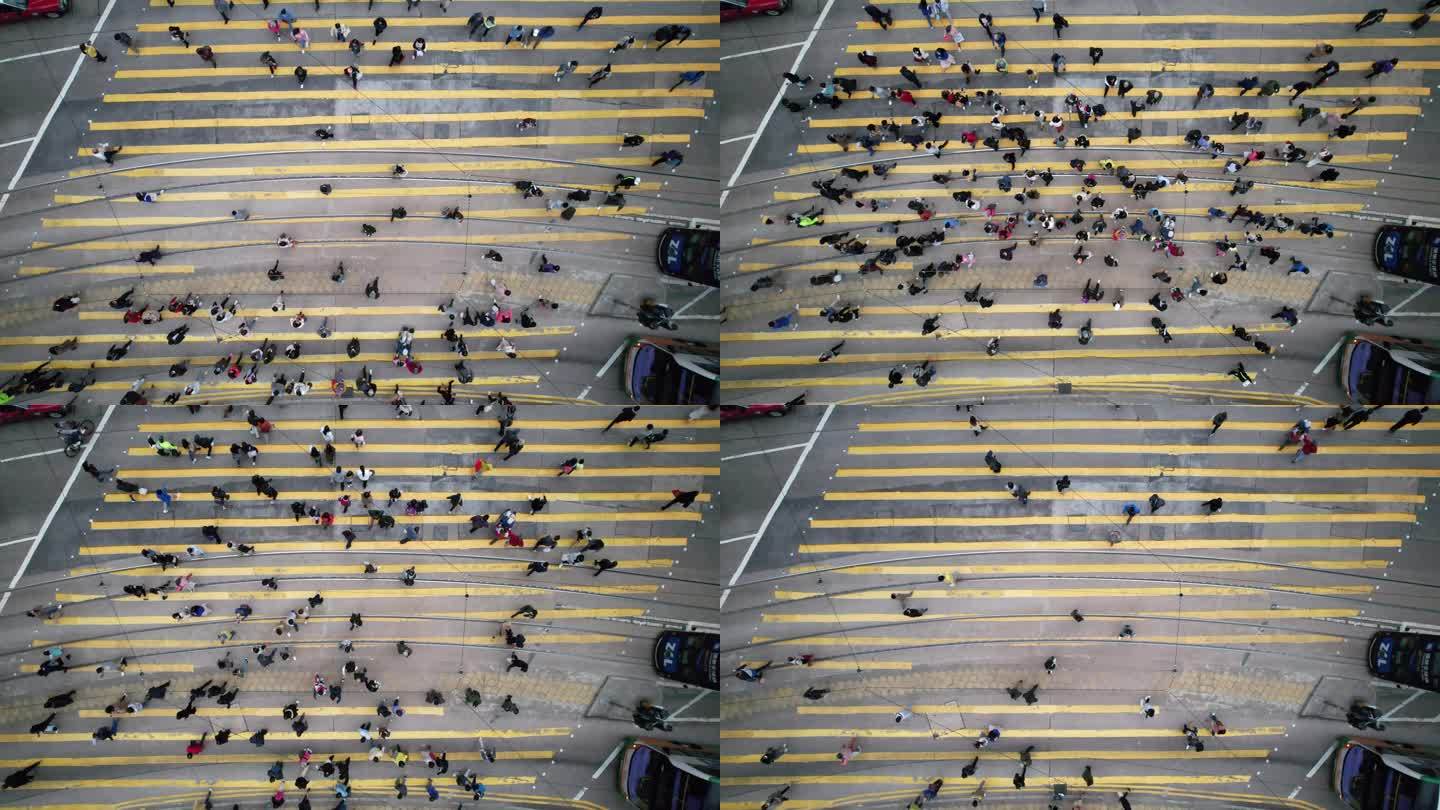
(73, 450)
(774, 12)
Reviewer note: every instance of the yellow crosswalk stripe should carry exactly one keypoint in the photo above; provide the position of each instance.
(936, 192)
(914, 334)
(363, 23)
(1088, 593)
(305, 360)
(1022, 21)
(217, 758)
(336, 335)
(360, 520)
(420, 590)
(1217, 615)
(355, 193)
(1168, 449)
(874, 776)
(521, 423)
(419, 216)
(928, 169)
(345, 94)
(764, 361)
(1096, 568)
(312, 471)
(925, 641)
(1154, 115)
(1083, 495)
(871, 755)
(928, 546)
(1295, 471)
(314, 711)
(479, 239)
(1308, 208)
(348, 570)
(400, 118)
(478, 615)
(1144, 140)
(585, 449)
(395, 144)
(150, 666)
(926, 734)
(250, 784)
(1107, 520)
(406, 71)
(277, 734)
(308, 169)
(943, 382)
(109, 270)
(1136, 67)
(1010, 425)
(148, 644)
(385, 384)
(476, 496)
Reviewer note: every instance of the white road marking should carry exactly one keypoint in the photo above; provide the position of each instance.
(1415, 314)
(789, 482)
(1406, 702)
(762, 452)
(579, 795)
(698, 697)
(1294, 793)
(80, 59)
(775, 102)
(614, 752)
(764, 50)
(737, 138)
(693, 302)
(33, 455)
(64, 491)
(1325, 757)
(1408, 299)
(737, 539)
(583, 392)
(608, 363)
(16, 541)
(22, 140)
(1301, 389)
(37, 53)
(1324, 361)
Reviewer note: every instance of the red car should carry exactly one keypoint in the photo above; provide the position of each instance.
(16, 10)
(738, 413)
(36, 410)
(739, 9)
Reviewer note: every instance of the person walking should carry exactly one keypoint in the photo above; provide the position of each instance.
(1372, 17)
(1410, 417)
(91, 51)
(380, 26)
(590, 16)
(1217, 420)
(1381, 66)
(683, 498)
(688, 77)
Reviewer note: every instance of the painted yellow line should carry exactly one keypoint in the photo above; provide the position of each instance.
(1154, 115)
(349, 570)
(1319, 208)
(1169, 449)
(874, 776)
(148, 644)
(1157, 353)
(1098, 568)
(150, 666)
(927, 169)
(1379, 422)
(173, 245)
(1090, 593)
(867, 664)
(336, 335)
(663, 448)
(384, 593)
(417, 217)
(356, 193)
(473, 498)
(405, 71)
(370, 168)
(397, 118)
(943, 382)
(250, 784)
(316, 711)
(935, 192)
(1217, 615)
(343, 95)
(1295, 471)
(306, 360)
(1152, 733)
(871, 755)
(216, 758)
(380, 545)
(1056, 546)
(421, 520)
(1120, 140)
(1101, 495)
(924, 641)
(362, 23)
(442, 424)
(1133, 67)
(955, 708)
(395, 143)
(111, 270)
(914, 334)
(311, 471)
(1023, 21)
(481, 615)
(278, 734)
(385, 384)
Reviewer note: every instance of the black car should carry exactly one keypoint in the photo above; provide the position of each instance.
(692, 658)
(1409, 658)
(690, 254)
(1409, 251)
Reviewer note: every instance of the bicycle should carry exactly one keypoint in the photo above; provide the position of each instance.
(75, 434)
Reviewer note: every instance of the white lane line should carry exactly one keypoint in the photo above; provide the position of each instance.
(16, 541)
(80, 59)
(1301, 389)
(65, 491)
(37, 53)
(762, 452)
(583, 392)
(737, 539)
(1324, 361)
(785, 490)
(693, 302)
(608, 363)
(764, 50)
(774, 102)
(698, 697)
(698, 720)
(33, 455)
(1325, 757)
(737, 138)
(1415, 314)
(1408, 299)
(614, 752)
(22, 140)
(1294, 793)
(1406, 702)
(579, 795)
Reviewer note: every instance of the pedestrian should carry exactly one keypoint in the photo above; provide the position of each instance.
(1213, 505)
(590, 16)
(1371, 17)
(1147, 710)
(300, 74)
(380, 26)
(206, 54)
(1381, 66)
(91, 51)
(688, 77)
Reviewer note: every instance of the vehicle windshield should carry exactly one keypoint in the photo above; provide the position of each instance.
(654, 783)
(657, 378)
(1367, 783)
(1375, 377)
